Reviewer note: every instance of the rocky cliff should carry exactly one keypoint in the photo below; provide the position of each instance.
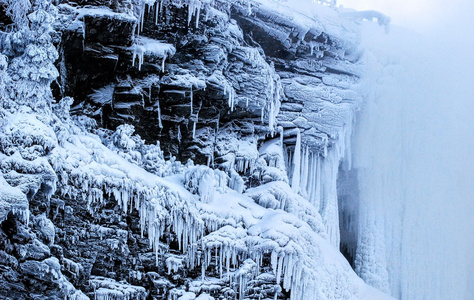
(176, 149)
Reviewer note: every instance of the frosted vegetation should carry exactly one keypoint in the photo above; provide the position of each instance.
(285, 230)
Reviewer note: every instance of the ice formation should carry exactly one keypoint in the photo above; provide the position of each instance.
(415, 228)
(146, 46)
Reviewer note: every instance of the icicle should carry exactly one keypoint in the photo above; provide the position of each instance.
(142, 17)
(279, 269)
(311, 178)
(163, 63)
(220, 262)
(271, 117)
(198, 13)
(304, 177)
(191, 97)
(280, 129)
(329, 204)
(138, 51)
(179, 134)
(190, 7)
(203, 268)
(134, 55)
(231, 98)
(347, 136)
(159, 114)
(317, 197)
(227, 262)
(295, 180)
(194, 129)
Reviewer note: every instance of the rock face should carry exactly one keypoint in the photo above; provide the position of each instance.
(243, 114)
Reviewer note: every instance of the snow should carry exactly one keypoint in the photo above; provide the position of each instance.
(108, 289)
(204, 296)
(145, 46)
(99, 12)
(308, 16)
(12, 200)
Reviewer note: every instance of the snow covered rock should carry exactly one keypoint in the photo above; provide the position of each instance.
(189, 158)
(12, 200)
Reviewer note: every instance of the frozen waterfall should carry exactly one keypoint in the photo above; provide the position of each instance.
(413, 155)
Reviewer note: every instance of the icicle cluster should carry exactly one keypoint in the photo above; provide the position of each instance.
(146, 46)
(89, 171)
(155, 7)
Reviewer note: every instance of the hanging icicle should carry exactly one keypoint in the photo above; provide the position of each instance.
(295, 179)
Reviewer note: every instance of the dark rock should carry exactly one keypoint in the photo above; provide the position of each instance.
(117, 30)
(36, 250)
(8, 260)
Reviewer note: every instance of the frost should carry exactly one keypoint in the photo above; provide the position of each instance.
(103, 95)
(204, 296)
(49, 269)
(18, 10)
(46, 227)
(32, 68)
(97, 170)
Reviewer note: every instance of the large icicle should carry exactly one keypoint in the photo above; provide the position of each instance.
(329, 204)
(295, 179)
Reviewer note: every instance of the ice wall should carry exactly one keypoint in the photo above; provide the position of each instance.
(413, 145)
